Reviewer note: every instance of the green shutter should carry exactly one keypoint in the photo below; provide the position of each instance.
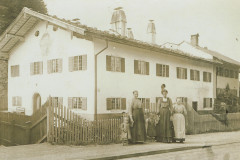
(147, 68)
(123, 103)
(84, 62)
(167, 70)
(122, 64)
(108, 63)
(136, 66)
(109, 103)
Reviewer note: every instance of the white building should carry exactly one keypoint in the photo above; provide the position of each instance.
(94, 72)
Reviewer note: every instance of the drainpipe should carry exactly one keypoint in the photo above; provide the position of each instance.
(96, 75)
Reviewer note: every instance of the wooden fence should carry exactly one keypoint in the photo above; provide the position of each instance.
(16, 129)
(66, 127)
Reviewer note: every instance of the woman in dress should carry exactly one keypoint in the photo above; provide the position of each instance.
(138, 130)
(164, 129)
(179, 112)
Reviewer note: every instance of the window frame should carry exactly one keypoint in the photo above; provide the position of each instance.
(54, 65)
(16, 101)
(162, 70)
(141, 67)
(36, 68)
(182, 73)
(115, 64)
(80, 102)
(77, 63)
(15, 71)
(194, 75)
(207, 76)
(115, 101)
(205, 103)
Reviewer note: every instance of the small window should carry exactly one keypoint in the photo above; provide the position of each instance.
(207, 77)
(56, 101)
(15, 71)
(195, 105)
(17, 101)
(226, 73)
(77, 103)
(162, 70)
(236, 74)
(181, 73)
(219, 71)
(116, 103)
(207, 102)
(145, 102)
(77, 63)
(115, 64)
(194, 75)
(141, 67)
(55, 66)
(36, 68)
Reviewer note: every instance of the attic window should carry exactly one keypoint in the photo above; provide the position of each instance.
(37, 33)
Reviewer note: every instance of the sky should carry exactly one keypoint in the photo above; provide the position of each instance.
(216, 21)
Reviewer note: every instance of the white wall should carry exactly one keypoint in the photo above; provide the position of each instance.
(65, 84)
(116, 84)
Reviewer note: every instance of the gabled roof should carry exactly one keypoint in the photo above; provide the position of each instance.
(27, 19)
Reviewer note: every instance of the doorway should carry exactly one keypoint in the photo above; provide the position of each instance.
(36, 102)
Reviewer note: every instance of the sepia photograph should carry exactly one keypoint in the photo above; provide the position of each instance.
(119, 79)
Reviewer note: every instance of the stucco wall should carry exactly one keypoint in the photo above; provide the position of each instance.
(116, 84)
(65, 84)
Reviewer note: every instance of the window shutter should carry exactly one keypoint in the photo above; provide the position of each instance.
(185, 70)
(108, 63)
(84, 62)
(204, 102)
(40, 67)
(123, 103)
(210, 77)
(157, 70)
(122, 64)
(17, 70)
(59, 61)
(109, 103)
(204, 76)
(198, 75)
(147, 103)
(19, 101)
(136, 66)
(178, 74)
(32, 69)
(147, 68)
(191, 75)
(70, 102)
(70, 63)
(84, 103)
(49, 66)
(167, 70)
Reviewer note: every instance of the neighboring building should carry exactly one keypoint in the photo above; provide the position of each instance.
(94, 72)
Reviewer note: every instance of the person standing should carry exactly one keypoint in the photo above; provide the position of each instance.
(138, 130)
(179, 111)
(164, 129)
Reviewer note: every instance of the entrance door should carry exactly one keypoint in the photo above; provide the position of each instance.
(36, 102)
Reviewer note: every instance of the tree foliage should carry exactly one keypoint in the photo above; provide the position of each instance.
(9, 9)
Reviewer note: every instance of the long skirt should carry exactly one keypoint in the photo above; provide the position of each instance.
(179, 126)
(164, 127)
(138, 130)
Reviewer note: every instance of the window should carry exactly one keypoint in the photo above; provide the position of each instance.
(207, 77)
(231, 74)
(226, 73)
(115, 64)
(54, 66)
(207, 102)
(77, 103)
(194, 75)
(36, 68)
(141, 67)
(162, 70)
(17, 101)
(77, 63)
(219, 71)
(236, 74)
(181, 73)
(145, 102)
(56, 101)
(116, 103)
(183, 100)
(15, 71)
(195, 105)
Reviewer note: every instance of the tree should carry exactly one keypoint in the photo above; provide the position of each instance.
(9, 10)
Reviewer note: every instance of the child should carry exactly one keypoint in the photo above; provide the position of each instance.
(125, 128)
(151, 122)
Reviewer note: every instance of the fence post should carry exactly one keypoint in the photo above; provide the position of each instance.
(48, 136)
(1, 130)
(28, 130)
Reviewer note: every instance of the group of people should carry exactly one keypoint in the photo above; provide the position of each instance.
(166, 125)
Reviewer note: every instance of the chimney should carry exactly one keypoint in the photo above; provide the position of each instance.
(194, 39)
(130, 33)
(119, 21)
(151, 32)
